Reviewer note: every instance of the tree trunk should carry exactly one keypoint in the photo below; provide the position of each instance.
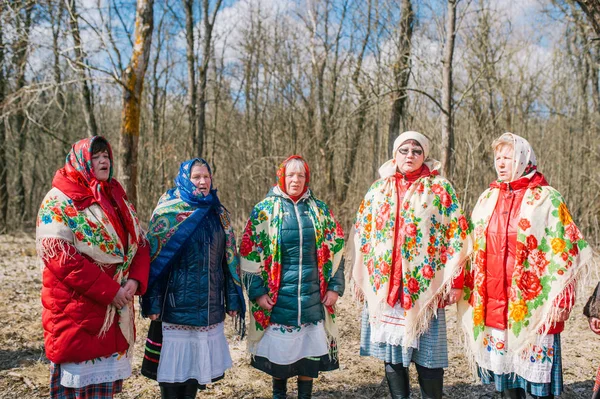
(401, 70)
(591, 8)
(80, 67)
(3, 168)
(133, 80)
(191, 64)
(209, 21)
(20, 54)
(447, 120)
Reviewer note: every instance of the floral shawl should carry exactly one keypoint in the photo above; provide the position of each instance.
(177, 215)
(77, 211)
(261, 255)
(435, 246)
(551, 255)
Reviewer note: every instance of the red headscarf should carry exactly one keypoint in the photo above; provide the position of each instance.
(78, 181)
(281, 176)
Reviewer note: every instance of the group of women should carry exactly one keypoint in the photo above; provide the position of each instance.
(512, 268)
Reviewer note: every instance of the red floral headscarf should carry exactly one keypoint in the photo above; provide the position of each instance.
(78, 181)
(281, 176)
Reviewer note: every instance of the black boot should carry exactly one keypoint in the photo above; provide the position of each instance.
(305, 389)
(431, 388)
(514, 393)
(188, 391)
(279, 388)
(397, 379)
(168, 391)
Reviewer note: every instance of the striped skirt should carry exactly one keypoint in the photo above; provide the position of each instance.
(95, 391)
(433, 345)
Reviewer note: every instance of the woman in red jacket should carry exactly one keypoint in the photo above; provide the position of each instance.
(519, 288)
(96, 259)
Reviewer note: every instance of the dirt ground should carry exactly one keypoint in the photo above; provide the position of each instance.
(24, 368)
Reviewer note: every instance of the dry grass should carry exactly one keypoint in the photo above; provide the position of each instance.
(24, 368)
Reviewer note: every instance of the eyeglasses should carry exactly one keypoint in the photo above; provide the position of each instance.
(415, 151)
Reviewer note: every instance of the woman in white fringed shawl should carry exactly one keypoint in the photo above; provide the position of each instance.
(519, 288)
(411, 239)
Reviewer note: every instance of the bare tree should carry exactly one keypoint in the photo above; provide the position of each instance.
(3, 168)
(401, 71)
(208, 23)
(133, 82)
(80, 66)
(447, 112)
(591, 8)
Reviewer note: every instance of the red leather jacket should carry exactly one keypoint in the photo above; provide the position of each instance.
(501, 240)
(75, 295)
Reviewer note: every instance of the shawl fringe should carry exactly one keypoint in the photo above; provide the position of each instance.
(51, 247)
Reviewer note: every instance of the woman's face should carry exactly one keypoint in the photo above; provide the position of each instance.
(101, 165)
(409, 157)
(295, 179)
(200, 177)
(503, 161)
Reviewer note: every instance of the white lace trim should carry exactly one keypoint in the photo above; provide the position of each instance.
(96, 371)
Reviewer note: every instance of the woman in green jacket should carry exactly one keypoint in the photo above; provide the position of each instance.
(292, 261)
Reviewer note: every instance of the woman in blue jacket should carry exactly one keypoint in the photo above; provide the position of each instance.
(194, 281)
(291, 257)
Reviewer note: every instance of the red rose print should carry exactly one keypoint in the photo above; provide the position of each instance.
(565, 256)
(246, 244)
(268, 263)
(385, 211)
(537, 259)
(462, 222)
(572, 233)
(260, 318)
(530, 286)
(469, 279)
(365, 248)
(410, 230)
(79, 235)
(70, 211)
(574, 250)
(446, 200)
(370, 264)
(377, 281)
(413, 285)
(338, 230)
(524, 224)
(323, 254)
(406, 302)
(481, 257)
(384, 267)
(437, 189)
(427, 272)
(531, 242)
(379, 221)
(443, 258)
(521, 253)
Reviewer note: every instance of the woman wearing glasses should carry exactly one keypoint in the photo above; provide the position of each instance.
(411, 239)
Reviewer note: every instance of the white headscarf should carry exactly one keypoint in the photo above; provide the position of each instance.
(389, 167)
(524, 160)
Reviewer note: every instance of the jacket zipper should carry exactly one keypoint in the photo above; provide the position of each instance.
(299, 263)
(208, 296)
(505, 250)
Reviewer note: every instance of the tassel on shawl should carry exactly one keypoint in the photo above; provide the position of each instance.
(51, 247)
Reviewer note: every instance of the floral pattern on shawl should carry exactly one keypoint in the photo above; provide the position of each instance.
(435, 244)
(260, 249)
(550, 255)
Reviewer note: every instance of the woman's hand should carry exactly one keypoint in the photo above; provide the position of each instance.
(122, 298)
(131, 286)
(330, 298)
(453, 296)
(594, 325)
(232, 313)
(265, 302)
(154, 316)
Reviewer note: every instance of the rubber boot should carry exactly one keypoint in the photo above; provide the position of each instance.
(279, 388)
(305, 389)
(431, 388)
(168, 391)
(398, 381)
(188, 391)
(514, 393)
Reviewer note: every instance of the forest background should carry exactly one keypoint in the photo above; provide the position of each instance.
(247, 83)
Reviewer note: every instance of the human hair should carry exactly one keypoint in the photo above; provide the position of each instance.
(200, 164)
(295, 164)
(503, 141)
(100, 145)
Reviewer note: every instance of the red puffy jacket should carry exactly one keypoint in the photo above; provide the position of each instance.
(501, 240)
(75, 296)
